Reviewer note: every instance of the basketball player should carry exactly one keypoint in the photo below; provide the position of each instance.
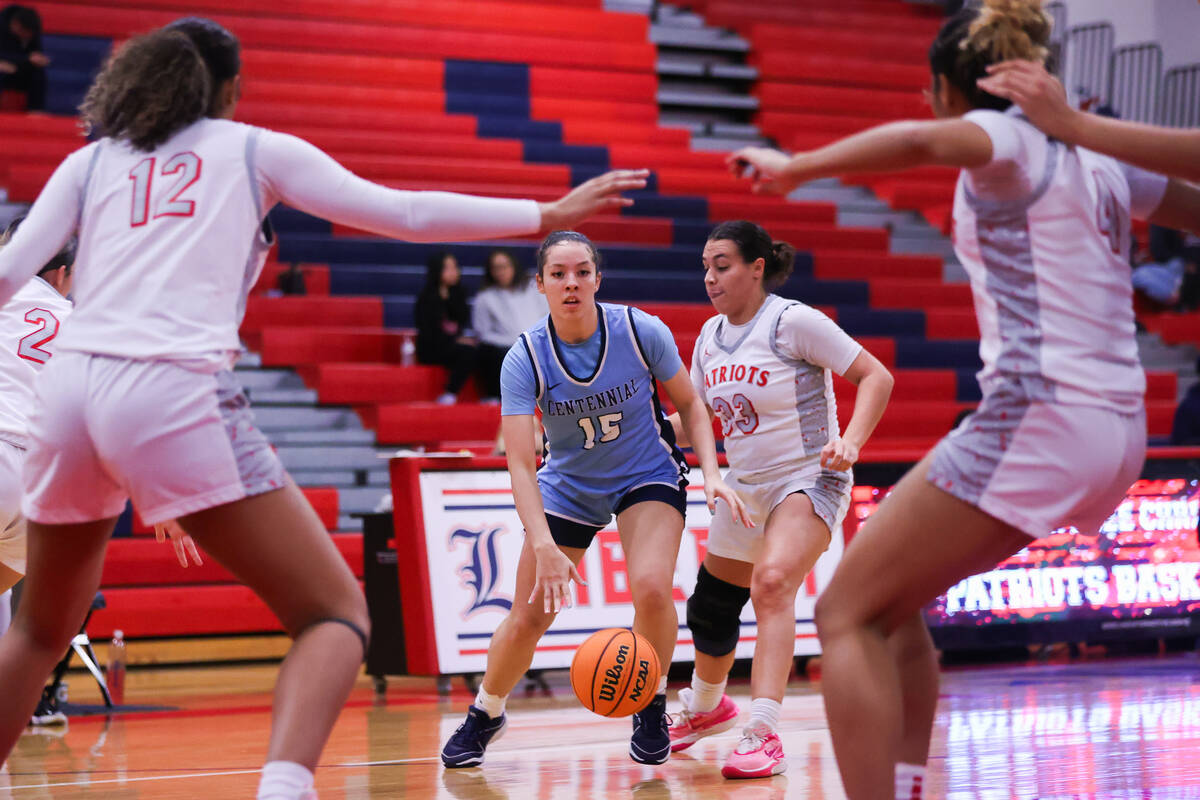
(28, 323)
(763, 366)
(590, 368)
(170, 205)
(1171, 151)
(1043, 232)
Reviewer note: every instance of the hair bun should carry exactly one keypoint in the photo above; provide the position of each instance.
(1010, 29)
(783, 258)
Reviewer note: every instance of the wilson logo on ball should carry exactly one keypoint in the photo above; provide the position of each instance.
(615, 672)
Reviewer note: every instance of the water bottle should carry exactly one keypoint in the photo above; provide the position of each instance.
(115, 674)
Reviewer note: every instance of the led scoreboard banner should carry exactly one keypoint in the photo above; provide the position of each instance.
(458, 539)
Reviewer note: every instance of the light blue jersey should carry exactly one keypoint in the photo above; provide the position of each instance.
(605, 429)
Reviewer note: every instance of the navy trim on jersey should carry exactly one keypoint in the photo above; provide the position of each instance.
(537, 380)
(602, 321)
(637, 340)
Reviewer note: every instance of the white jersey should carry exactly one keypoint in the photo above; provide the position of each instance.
(30, 325)
(171, 241)
(1043, 231)
(769, 383)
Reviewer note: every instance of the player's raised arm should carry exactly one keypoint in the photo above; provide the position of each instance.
(885, 148)
(301, 175)
(1171, 151)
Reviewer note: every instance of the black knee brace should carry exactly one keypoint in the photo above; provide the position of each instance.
(713, 614)
(359, 632)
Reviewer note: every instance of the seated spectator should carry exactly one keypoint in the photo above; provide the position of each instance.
(507, 304)
(1185, 430)
(1162, 278)
(443, 319)
(22, 62)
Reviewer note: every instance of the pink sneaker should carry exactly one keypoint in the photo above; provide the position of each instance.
(758, 755)
(690, 727)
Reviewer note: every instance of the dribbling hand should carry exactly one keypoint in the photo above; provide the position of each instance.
(602, 193)
(718, 489)
(764, 167)
(553, 576)
(839, 455)
(183, 544)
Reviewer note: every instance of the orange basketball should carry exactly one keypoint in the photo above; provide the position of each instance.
(615, 672)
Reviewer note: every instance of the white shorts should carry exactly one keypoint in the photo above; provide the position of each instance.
(1041, 466)
(176, 440)
(829, 492)
(12, 524)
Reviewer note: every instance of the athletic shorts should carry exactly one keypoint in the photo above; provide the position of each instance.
(828, 490)
(12, 523)
(578, 508)
(1041, 466)
(175, 440)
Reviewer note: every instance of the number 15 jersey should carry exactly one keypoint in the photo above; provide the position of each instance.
(768, 382)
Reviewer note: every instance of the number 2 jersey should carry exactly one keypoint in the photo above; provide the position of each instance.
(768, 382)
(598, 398)
(29, 330)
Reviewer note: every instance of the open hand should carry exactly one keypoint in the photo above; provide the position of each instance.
(718, 489)
(554, 573)
(602, 193)
(1036, 91)
(183, 544)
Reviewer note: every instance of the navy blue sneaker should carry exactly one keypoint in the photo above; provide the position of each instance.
(465, 748)
(651, 741)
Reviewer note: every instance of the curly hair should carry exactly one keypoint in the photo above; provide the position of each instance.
(152, 87)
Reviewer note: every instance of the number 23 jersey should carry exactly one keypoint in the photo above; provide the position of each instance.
(768, 383)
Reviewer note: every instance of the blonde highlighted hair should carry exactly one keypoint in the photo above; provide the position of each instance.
(978, 36)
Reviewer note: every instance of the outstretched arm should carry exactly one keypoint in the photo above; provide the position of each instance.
(1171, 151)
(894, 146)
(303, 176)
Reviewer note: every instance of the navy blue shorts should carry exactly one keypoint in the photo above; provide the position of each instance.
(574, 533)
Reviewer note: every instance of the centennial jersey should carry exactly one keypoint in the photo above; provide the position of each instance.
(171, 242)
(777, 410)
(30, 324)
(1044, 235)
(607, 425)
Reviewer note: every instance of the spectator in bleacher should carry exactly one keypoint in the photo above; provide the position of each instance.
(1171, 151)
(507, 304)
(444, 335)
(1043, 231)
(22, 61)
(169, 98)
(1185, 428)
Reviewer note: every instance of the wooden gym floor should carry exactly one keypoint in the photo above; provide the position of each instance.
(1087, 729)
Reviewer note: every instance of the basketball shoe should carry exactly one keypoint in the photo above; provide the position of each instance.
(465, 747)
(758, 755)
(691, 726)
(651, 740)
(47, 711)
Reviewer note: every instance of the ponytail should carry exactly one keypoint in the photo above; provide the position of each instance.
(977, 37)
(153, 87)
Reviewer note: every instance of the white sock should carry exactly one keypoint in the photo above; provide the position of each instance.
(492, 704)
(662, 685)
(705, 696)
(5, 611)
(284, 780)
(910, 779)
(764, 711)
